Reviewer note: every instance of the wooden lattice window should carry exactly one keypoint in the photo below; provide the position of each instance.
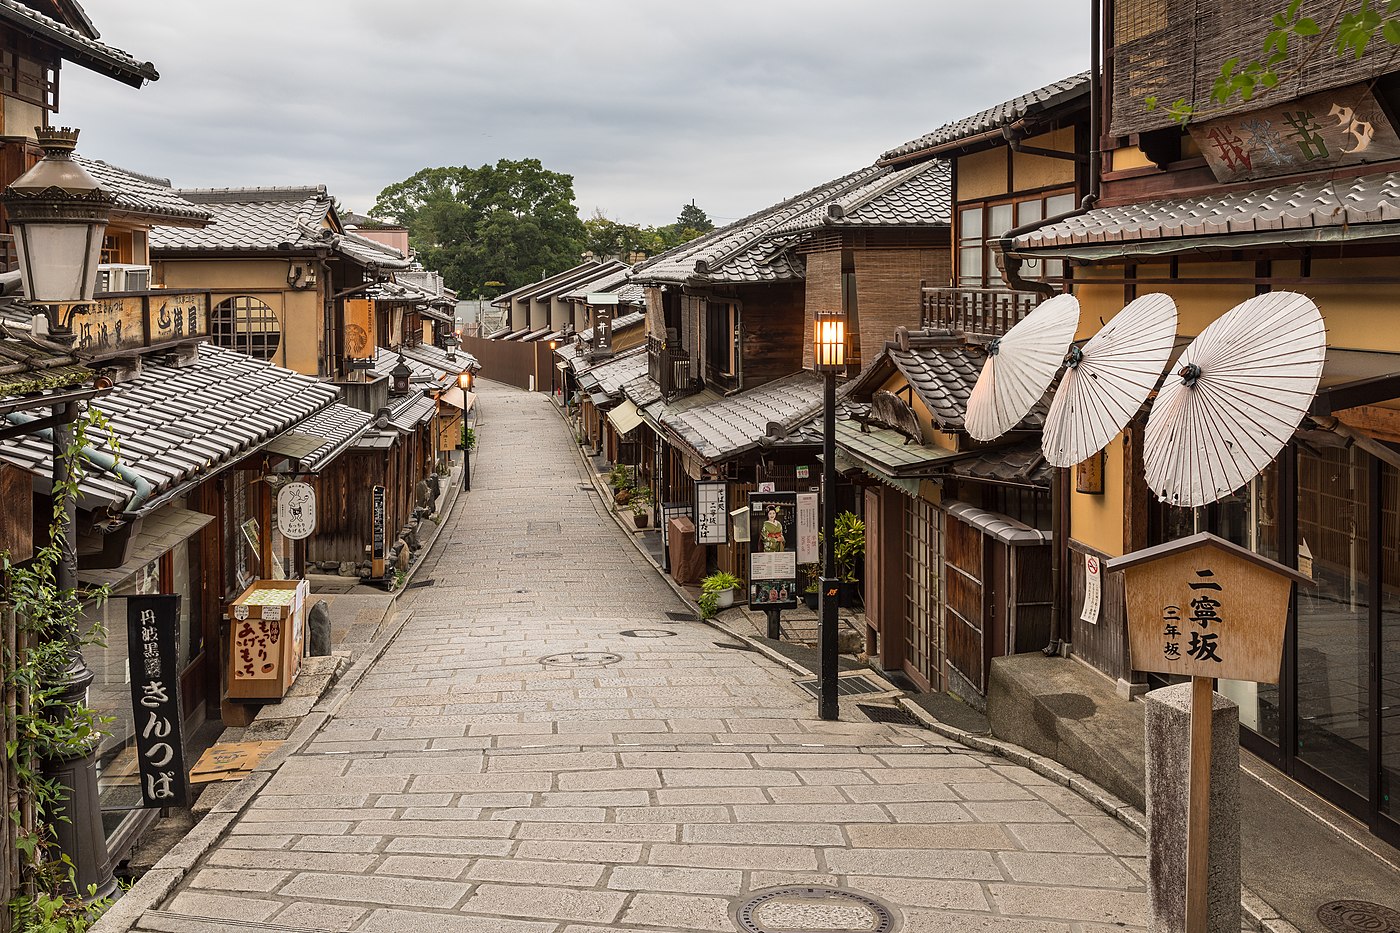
(245, 324)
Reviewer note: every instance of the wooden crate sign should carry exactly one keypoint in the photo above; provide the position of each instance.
(1203, 607)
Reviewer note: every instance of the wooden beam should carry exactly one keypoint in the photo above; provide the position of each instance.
(1381, 423)
(1198, 807)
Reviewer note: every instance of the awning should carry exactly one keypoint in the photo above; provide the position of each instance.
(459, 399)
(625, 417)
(160, 531)
(295, 445)
(561, 366)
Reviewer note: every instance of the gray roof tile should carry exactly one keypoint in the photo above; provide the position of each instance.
(340, 426)
(1283, 210)
(178, 425)
(729, 426)
(917, 196)
(994, 118)
(78, 47)
(145, 195)
(270, 220)
(751, 249)
(609, 376)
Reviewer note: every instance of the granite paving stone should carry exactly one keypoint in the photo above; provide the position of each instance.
(461, 785)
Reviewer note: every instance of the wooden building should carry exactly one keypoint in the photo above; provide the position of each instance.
(1251, 197)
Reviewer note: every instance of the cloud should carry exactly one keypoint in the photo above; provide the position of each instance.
(736, 103)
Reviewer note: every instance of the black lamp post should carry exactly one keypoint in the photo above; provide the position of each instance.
(58, 214)
(829, 359)
(401, 375)
(464, 382)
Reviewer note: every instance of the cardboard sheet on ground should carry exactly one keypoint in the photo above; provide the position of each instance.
(230, 761)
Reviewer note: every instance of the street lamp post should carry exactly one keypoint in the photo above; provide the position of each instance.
(464, 382)
(829, 359)
(58, 214)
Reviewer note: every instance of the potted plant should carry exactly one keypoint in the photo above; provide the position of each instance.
(809, 575)
(850, 555)
(640, 503)
(717, 592)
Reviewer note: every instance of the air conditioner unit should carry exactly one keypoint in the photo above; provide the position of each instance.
(123, 277)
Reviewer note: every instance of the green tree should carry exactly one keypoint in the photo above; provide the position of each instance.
(693, 218)
(607, 238)
(511, 222)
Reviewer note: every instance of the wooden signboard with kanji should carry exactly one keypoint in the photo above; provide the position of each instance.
(1336, 128)
(1203, 607)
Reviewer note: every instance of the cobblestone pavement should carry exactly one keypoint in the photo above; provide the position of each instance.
(472, 783)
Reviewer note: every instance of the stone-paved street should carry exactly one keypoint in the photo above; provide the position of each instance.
(467, 785)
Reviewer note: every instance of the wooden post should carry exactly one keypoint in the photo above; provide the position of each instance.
(1198, 807)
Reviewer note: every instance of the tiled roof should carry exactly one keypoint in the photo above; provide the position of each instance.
(29, 366)
(271, 220)
(1329, 206)
(610, 282)
(886, 450)
(994, 118)
(917, 196)
(1019, 465)
(411, 411)
(747, 250)
(143, 195)
(77, 47)
(340, 425)
(642, 391)
(620, 323)
(176, 425)
(423, 373)
(609, 377)
(942, 377)
(561, 282)
(437, 358)
(736, 423)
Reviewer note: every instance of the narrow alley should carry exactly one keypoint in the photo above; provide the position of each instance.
(548, 746)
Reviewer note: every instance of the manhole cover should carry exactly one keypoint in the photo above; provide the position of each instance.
(813, 909)
(580, 659)
(1354, 916)
(647, 633)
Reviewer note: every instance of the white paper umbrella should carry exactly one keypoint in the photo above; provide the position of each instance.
(1020, 367)
(1234, 398)
(1106, 382)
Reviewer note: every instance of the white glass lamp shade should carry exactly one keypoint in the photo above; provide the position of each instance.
(59, 261)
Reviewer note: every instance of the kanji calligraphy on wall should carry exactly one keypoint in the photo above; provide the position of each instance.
(152, 632)
(1345, 126)
(1203, 607)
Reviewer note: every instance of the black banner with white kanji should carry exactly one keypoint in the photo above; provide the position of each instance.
(153, 651)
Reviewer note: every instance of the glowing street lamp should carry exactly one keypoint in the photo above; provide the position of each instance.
(829, 359)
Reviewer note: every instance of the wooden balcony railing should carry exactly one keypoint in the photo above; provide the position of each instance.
(976, 312)
(669, 367)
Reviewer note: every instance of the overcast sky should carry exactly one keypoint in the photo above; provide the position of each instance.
(734, 103)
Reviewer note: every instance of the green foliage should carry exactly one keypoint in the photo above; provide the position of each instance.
(809, 574)
(50, 626)
(850, 546)
(710, 589)
(608, 238)
(469, 438)
(1348, 32)
(640, 500)
(620, 477)
(489, 228)
(693, 218)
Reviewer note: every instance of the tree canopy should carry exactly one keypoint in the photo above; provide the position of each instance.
(605, 237)
(508, 224)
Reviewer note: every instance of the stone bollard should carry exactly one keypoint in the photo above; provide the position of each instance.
(318, 623)
(1168, 724)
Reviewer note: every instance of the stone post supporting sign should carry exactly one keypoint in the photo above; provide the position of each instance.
(1168, 725)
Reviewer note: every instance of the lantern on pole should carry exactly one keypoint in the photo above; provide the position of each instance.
(829, 359)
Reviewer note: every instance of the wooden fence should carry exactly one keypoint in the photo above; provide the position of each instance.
(514, 363)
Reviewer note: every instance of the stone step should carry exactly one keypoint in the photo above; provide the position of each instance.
(160, 921)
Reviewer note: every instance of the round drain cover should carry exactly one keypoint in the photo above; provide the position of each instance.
(647, 633)
(580, 659)
(813, 909)
(1358, 917)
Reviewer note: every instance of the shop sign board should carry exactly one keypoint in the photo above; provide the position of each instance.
(152, 627)
(711, 512)
(135, 322)
(773, 550)
(808, 540)
(296, 510)
(378, 531)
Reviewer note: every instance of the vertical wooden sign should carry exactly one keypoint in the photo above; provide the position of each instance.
(378, 532)
(712, 512)
(153, 652)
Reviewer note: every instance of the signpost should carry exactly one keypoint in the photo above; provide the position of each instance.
(1204, 608)
(377, 532)
(152, 632)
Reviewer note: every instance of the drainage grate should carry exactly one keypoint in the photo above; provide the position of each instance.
(1358, 917)
(417, 583)
(891, 714)
(813, 908)
(735, 645)
(580, 659)
(647, 633)
(682, 617)
(845, 686)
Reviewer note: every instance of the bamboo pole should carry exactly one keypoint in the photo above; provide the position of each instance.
(1198, 807)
